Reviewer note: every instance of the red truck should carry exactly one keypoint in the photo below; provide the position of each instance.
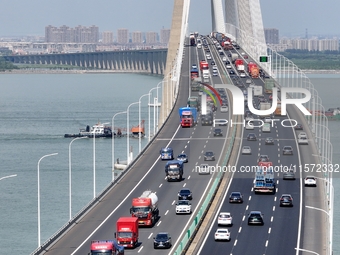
(238, 62)
(204, 65)
(144, 208)
(127, 232)
(253, 70)
(106, 247)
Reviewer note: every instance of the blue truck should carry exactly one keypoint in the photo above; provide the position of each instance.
(174, 170)
(188, 116)
(264, 180)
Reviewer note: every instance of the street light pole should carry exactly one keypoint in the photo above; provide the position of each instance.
(94, 164)
(8, 176)
(70, 173)
(155, 121)
(113, 144)
(128, 135)
(39, 194)
(139, 119)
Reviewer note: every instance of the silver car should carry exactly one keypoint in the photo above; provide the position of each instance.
(246, 150)
(204, 169)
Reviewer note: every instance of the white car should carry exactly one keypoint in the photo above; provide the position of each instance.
(246, 150)
(303, 141)
(183, 206)
(242, 75)
(214, 67)
(249, 118)
(248, 81)
(208, 57)
(249, 126)
(224, 59)
(222, 234)
(310, 181)
(215, 73)
(204, 169)
(224, 108)
(267, 120)
(225, 218)
(228, 66)
(302, 135)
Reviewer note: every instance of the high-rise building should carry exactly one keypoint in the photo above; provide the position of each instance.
(69, 35)
(151, 37)
(271, 35)
(165, 36)
(122, 36)
(137, 37)
(107, 37)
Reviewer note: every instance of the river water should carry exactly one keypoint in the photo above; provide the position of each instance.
(36, 110)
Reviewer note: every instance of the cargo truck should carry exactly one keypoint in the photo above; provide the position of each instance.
(145, 208)
(265, 106)
(106, 247)
(258, 91)
(127, 232)
(195, 84)
(204, 65)
(269, 84)
(174, 170)
(194, 101)
(234, 56)
(192, 40)
(253, 70)
(239, 65)
(188, 116)
(264, 179)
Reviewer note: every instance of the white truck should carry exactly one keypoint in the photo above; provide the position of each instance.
(258, 91)
(234, 56)
(265, 106)
(205, 74)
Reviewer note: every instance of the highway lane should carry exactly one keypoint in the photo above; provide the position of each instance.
(117, 202)
(267, 239)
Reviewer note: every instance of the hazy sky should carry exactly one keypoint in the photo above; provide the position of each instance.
(291, 17)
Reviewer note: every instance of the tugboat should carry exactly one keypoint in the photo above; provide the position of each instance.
(98, 130)
(138, 129)
(331, 113)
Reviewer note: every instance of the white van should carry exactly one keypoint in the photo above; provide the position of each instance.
(266, 128)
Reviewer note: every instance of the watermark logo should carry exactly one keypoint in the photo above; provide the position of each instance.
(238, 100)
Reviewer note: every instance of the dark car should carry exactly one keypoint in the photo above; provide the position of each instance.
(212, 63)
(183, 157)
(231, 72)
(298, 127)
(184, 194)
(287, 150)
(206, 120)
(236, 197)
(227, 62)
(209, 156)
(263, 158)
(269, 140)
(218, 132)
(251, 137)
(162, 240)
(286, 200)
(255, 218)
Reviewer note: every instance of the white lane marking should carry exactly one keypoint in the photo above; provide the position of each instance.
(277, 182)
(271, 219)
(275, 199)
(127, 196)
(243, 217)
(247, 207)
(206, 141)
(249, 198)
(141, 248)
(173, 202)
(160, 185)
(202, 151)
(159, 223)
(199, 158)
(166, 212)
(150, 236)
(185, 146)
(235, 242)
(189, 220)
(188, 177)
(184, 184)
(204, 146)
(267, 243)
(269, 230)
(274, 208)
(240, 229)
(182, 152)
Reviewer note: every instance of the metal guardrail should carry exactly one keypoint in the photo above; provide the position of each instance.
(194, 226)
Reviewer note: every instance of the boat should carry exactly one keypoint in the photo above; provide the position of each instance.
(138, 129)
(331, 113)
(98, 130)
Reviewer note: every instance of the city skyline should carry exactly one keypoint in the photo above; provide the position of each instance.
(111, 15)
